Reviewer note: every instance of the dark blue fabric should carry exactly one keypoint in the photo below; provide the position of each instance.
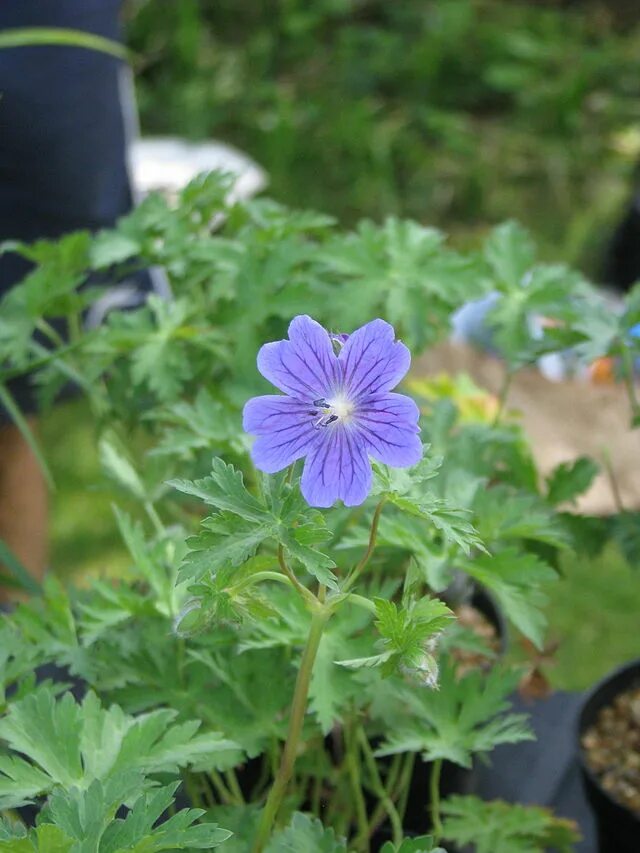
(62, 135)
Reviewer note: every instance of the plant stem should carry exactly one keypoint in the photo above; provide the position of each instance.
(221, 788)
(373, 535)
(158, 526)
(361, 601)
(435, 799)
(298, 711)
(503, 395)
(405, 783)
(234, 786)
(263, 576)
(302, 590)
(192, 789)
(361, 841)
(378, 787)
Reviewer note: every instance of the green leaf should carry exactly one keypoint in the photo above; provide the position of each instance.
(466, 716)
(333, 690)
(406, 489)
(46, 838)
(225, 539)
(17, 571)
(305, 835)
(83, 821)
(503, 515)
(71, 745)
(518, 581)
(297, 542)
(22, 424)
(406, 632)
(499, 827)
(121, 469)
(569, 480)
(510, 252)
(224, 489)
(112, 247)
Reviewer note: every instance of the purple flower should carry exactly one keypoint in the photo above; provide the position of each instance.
(338, 410)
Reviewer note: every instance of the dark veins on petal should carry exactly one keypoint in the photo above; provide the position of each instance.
(372, 373)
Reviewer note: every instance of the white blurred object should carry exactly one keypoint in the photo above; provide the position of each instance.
(169, 163)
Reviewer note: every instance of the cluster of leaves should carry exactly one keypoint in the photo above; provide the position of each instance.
(91, 764)
(212, 621)
(499, 827)
(464, 111)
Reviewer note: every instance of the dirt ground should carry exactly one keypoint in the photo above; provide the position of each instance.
(562, 419)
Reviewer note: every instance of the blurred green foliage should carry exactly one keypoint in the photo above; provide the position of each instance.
(455, 112)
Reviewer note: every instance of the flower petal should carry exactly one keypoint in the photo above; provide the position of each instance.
(388, 424)
(285, 431)
(305, 366)
(337, 468)
(372, 360)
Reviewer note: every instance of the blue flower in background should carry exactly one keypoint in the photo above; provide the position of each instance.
(338, 410)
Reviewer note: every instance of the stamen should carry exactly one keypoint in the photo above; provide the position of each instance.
(321, 403)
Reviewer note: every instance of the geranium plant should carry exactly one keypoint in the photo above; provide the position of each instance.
(283, 659)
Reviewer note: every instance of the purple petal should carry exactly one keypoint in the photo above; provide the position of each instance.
(337, 468)
(305, 366)
(284, 428)
(389, 425)
(372, 360)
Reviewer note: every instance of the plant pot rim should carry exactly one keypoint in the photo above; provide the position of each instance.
(632, 666)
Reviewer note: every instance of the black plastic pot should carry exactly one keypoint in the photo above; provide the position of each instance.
(618, 827)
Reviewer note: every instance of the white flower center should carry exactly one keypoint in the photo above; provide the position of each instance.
(339, 408)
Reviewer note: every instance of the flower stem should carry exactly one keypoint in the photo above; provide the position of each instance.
(378, 787)
(302, 590)
(234, 786)
(298, 711)
(435, 799)
(405, 783)
(362, 840)
(373, 535)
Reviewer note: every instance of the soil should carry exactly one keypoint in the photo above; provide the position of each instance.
(563, 420)
(612, 748)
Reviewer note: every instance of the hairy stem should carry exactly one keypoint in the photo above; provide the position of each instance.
(221, 789)
(361, 841)
(378, 787)
(405, 783)
(391, 790)
(234, 786)
(434, 787)
(373, 535)
(298, 711)
(302, 590)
